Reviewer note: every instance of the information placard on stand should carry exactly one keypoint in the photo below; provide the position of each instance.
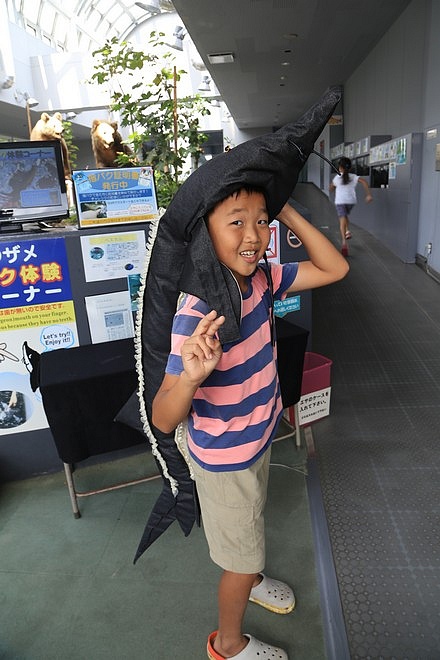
(114, 196)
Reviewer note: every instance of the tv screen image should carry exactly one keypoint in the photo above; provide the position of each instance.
(32, 184)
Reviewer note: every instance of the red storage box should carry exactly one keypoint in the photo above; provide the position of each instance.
(316, 373)
(315, 389)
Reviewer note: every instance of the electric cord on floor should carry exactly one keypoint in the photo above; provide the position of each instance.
(296, 468)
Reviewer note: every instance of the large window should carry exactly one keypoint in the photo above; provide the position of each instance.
(73, 25)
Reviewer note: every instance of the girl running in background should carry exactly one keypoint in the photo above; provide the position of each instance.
(344, 185)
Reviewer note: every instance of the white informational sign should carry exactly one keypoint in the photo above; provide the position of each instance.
(110, 316)
(21, 406)
(273, 250)
(112, 256)
(313, 406)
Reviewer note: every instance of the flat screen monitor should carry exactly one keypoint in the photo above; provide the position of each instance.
(379, 176)
(114, 196)
(32, 184)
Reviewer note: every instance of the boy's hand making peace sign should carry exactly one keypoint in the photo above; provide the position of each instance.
(202, 351)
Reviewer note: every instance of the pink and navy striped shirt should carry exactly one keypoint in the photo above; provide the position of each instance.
(236, 410)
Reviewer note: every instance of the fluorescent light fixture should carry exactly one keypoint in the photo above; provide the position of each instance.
(26, 97)
(7, 84)
(153, 6)
(205, 85)
(179, 35)
(221, 58)
(32, 103)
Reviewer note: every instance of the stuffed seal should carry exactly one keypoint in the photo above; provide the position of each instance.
(181, 258)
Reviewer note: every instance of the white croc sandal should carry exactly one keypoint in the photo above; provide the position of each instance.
(254, 650)
(274, 595)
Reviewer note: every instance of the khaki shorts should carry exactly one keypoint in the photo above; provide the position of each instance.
(232, 505)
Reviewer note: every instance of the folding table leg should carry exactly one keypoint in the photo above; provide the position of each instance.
(72, 491)
(297, 426)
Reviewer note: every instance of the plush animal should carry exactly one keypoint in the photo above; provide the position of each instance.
(107, 143)
(51, 128)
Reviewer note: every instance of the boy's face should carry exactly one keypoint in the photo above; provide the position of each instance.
(239, 230)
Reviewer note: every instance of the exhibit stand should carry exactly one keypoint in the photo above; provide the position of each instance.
(60, 290)
(68, 300)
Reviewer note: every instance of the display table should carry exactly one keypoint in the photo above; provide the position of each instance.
(291, 348)
(83, 389)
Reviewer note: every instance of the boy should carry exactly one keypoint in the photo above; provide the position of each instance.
(232, 400)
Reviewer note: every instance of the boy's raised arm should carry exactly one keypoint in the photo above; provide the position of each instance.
(325, 264)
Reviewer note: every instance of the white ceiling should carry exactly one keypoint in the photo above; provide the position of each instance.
(311, 43)
(333, 37)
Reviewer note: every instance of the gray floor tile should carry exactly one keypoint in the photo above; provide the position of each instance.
(379, 450)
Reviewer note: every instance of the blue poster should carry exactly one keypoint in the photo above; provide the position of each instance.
(36, 315)
(33, 272)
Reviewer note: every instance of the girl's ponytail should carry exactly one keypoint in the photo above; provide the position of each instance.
(345, 164)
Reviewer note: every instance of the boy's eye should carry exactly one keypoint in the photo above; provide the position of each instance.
(239, 223)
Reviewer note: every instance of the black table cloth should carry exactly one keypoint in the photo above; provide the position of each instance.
(83, 389)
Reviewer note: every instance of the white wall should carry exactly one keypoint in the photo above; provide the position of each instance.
(314, 163)
(429, 214)
(396, 90)
(385, 93)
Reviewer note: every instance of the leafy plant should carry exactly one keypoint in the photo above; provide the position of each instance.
(71, 146)
(165, 129)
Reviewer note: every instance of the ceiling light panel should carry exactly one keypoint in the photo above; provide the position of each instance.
(221, 58)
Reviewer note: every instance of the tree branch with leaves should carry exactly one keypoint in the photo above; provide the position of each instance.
(165, 129)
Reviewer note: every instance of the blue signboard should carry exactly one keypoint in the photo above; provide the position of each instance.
(283, 307)
(33, 272)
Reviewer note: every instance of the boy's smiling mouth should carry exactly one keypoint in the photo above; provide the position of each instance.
(250, 256)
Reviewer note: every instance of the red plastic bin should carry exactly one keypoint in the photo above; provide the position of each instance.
(315, 389)
(316, 373)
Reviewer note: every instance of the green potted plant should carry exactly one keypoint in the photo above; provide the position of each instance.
(165, 129)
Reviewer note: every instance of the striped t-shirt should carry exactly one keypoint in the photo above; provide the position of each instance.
(235, 412)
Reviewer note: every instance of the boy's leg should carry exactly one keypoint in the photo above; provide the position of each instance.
(233, 597)
(232, 505)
